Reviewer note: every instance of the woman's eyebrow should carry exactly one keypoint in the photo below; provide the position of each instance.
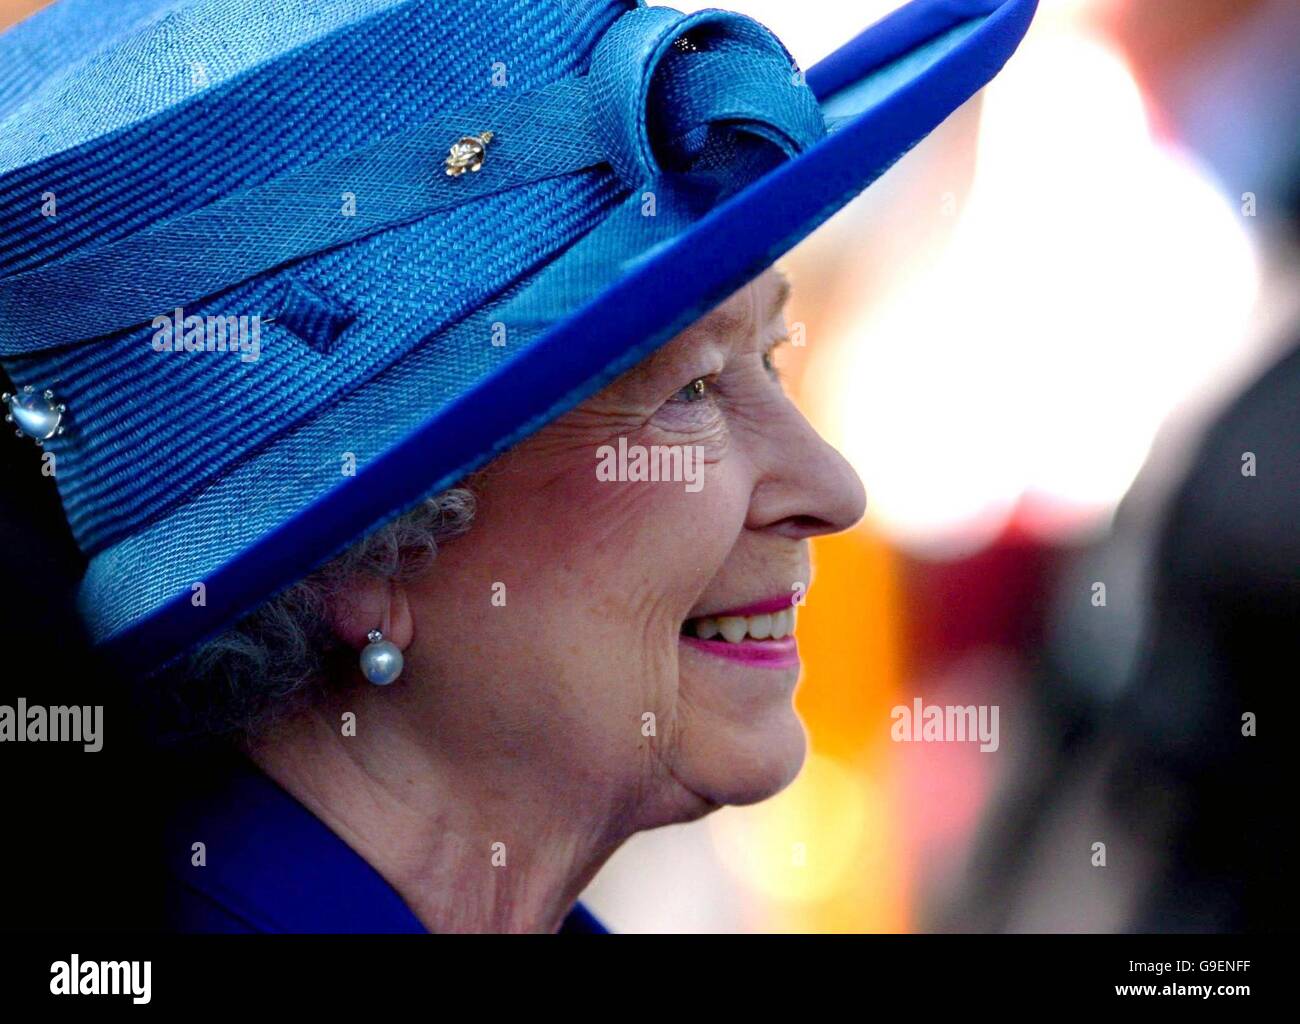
(729, 318)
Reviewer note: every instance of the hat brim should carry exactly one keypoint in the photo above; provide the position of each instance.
(884, 91)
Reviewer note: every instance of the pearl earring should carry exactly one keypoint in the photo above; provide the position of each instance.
(381, 660)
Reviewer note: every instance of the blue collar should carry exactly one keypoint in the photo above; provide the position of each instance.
(273, 866)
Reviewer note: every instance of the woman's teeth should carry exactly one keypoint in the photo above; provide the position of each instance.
(735, 628)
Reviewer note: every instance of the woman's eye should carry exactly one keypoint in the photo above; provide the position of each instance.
(769, 359)
(696, 391)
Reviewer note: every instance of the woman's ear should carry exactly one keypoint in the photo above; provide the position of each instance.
(372, 603)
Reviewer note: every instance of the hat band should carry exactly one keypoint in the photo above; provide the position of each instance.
(398, 180)
(646, 108)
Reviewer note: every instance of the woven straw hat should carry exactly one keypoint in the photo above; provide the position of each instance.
(244, 241)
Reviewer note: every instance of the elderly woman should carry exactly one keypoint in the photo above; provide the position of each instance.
(635, 669)
(334, 258)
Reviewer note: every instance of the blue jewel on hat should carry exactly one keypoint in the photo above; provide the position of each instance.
(36, 414)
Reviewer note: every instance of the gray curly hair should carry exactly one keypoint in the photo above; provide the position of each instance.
(282, 656)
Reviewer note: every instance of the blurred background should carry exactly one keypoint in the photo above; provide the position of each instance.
(1045, 339)
(1058, 341)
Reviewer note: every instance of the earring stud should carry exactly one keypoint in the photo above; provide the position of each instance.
(381, 660)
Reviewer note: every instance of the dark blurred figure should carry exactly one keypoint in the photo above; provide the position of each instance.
(1133, 732)
(1223, 643)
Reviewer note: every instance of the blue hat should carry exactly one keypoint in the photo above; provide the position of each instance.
(247, 244)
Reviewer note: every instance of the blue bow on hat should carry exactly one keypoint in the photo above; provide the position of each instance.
(441, 225)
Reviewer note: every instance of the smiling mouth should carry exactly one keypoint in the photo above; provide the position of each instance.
(763, 637)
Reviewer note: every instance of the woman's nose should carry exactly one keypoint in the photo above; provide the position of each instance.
(806, 488)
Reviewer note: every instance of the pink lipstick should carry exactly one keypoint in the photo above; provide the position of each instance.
(760, 634)
(783, 653)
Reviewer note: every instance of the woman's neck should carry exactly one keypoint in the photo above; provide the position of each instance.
(468, 850)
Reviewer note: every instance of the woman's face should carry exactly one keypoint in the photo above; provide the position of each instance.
(550, 645)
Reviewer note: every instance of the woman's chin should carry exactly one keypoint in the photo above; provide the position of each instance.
(745, 763)
(742, 741)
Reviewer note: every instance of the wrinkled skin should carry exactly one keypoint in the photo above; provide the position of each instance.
(525, 723)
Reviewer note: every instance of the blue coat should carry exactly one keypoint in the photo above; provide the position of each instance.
(273, 866)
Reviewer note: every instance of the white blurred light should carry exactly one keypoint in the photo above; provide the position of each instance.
(1093, 280)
